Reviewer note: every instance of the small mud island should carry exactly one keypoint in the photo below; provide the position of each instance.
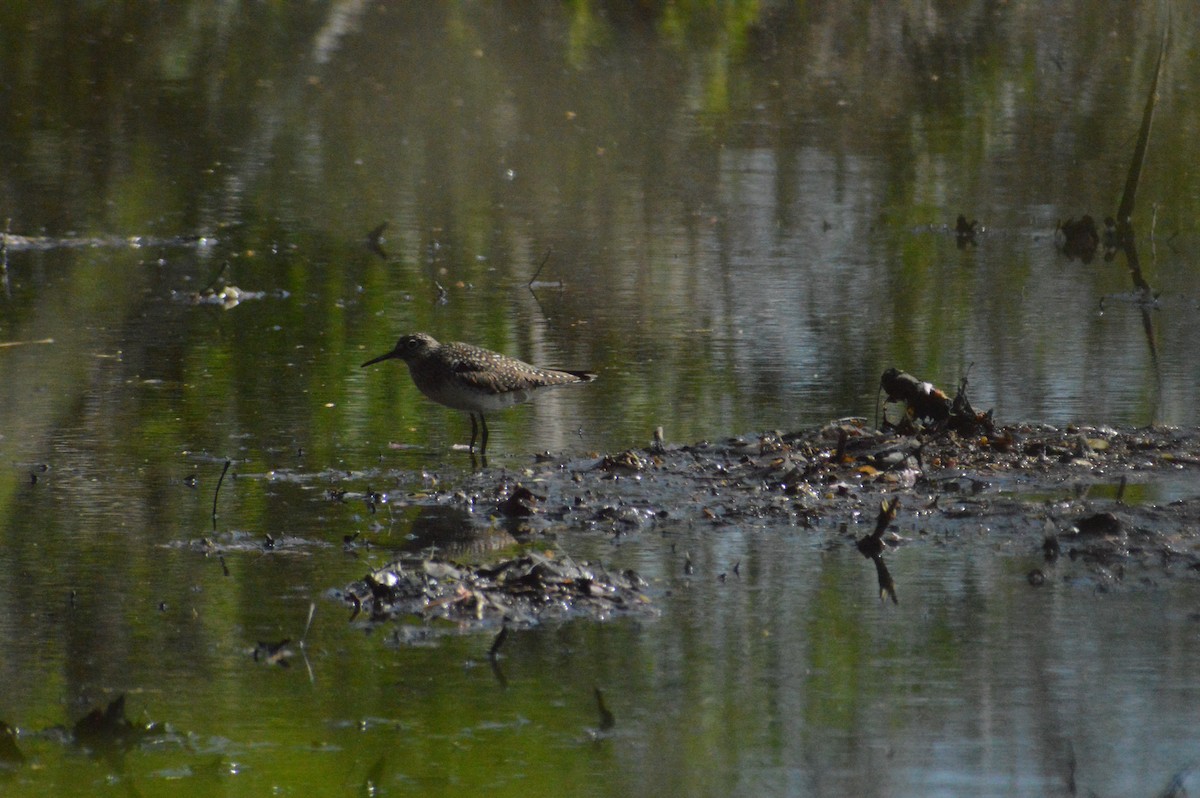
(1104, 507)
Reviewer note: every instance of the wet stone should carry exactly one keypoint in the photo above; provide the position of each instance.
(1099, 525)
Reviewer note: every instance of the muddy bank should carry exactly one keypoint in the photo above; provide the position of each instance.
(1082, 503)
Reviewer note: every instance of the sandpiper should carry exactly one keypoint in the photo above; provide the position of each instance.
(474, 379)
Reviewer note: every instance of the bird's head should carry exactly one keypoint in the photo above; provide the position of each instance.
(408, 348)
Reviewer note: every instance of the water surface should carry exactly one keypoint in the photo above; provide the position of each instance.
(744, 215)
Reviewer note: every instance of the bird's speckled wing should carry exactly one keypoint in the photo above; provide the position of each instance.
(495, 373)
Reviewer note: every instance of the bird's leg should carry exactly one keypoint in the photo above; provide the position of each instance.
(483, 423)
(474, 431)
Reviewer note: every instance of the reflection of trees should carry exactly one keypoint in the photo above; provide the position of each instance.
(446, 100)
(1124, 236)
(676, 158)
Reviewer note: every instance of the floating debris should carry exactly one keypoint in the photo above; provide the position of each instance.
(375, 240)
(627, 461)
(520, 503)
(923, 401)
(10, 241)
(1078, 238)
(9, 344)
(108, 728)
(10, 754)
(965, 232)
(273, 653)
(925, 404)
(227, 297)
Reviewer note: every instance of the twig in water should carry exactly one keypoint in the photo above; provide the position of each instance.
(375, 240)
(1129, 195)
(217, 492)
(215, 279)
(312, 611)
(501, 636)
(607, 719)
(541, 266)
(1176, 788)
(6, 344)
(1153, 224)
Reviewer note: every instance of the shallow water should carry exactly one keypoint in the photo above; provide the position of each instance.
(787, 676)
(749, 218)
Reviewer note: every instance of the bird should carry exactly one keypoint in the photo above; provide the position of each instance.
(471, 378)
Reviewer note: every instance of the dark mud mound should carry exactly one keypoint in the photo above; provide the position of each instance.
(521, 591)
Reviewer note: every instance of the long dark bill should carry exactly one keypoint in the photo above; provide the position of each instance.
(379, 359)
